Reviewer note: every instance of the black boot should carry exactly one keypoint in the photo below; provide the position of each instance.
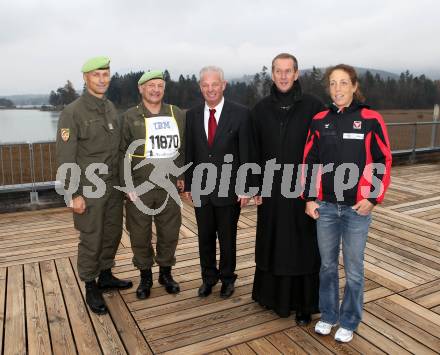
(107, 282)
(166, 279)
(143, 290)
(94, 298)
(303, 318)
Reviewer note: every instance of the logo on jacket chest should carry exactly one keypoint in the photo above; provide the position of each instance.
(357, 125)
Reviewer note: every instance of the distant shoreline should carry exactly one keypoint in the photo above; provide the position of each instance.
(33, 107)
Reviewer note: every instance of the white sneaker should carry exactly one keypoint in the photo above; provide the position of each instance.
(324, 328)
(343, 335)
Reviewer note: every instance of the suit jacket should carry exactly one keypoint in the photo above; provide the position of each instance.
(233, 136)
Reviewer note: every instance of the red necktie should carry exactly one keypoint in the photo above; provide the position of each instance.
(212, 126)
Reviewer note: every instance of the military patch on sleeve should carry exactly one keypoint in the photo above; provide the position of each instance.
(65, 134)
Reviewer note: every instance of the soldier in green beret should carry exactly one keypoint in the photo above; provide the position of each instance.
(161, 128)
(89, 133)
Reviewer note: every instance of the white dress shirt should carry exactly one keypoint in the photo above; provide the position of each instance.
(218, 112)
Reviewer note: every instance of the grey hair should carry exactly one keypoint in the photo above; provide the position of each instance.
(212, 68)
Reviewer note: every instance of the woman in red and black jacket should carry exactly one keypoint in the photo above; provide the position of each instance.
(348, 161)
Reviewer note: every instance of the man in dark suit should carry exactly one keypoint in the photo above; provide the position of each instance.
(218, 134)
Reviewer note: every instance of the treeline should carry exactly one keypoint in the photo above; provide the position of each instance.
(406, 92)
(63, 96)
(6, 103)
(184, 92)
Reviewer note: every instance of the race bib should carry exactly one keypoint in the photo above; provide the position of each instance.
(162, 137)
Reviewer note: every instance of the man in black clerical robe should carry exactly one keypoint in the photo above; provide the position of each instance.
(286, 252)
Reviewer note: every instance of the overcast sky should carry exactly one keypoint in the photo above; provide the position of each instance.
(44, 43)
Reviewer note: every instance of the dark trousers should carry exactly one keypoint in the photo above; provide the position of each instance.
(100, 229)
(213, 221)
(167, 223)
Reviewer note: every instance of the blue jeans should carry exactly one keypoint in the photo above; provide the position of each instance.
(338, 222)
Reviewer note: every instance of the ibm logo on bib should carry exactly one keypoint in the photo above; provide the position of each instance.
(162, 125)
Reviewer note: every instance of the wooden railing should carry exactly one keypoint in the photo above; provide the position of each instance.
(29, 166)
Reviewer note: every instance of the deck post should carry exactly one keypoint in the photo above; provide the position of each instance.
(34, 193)
(435, 115)
(412, 157)
(34, 197)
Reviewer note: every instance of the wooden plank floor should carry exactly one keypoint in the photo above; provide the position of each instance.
(42, 307)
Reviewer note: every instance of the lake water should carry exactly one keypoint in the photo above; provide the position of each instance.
(27, 126)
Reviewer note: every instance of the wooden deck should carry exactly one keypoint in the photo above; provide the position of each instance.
(42, 308)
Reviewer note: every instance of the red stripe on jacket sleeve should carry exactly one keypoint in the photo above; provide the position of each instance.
(309, 145)
(370, 114)
(319, 184)
(321, 115)
(364, 186)
(384, 147)
(312, 136)
(307, 163)
(386, 179)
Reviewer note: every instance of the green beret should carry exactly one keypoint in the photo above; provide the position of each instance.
(149, 75)
(96, 63)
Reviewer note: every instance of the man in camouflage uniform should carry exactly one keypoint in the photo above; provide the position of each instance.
(89, 133)
(160, 127)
